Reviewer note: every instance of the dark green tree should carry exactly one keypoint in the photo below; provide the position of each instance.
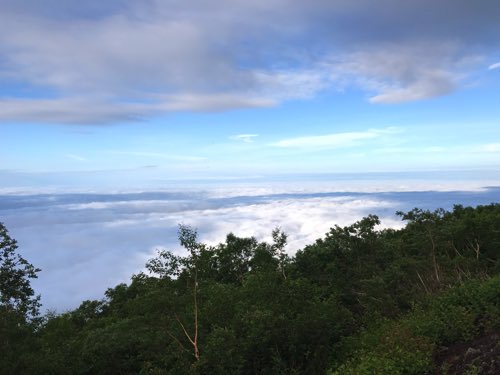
(245, 307)
(18, 305)
(16, 294)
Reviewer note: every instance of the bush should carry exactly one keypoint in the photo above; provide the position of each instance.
(407, 346)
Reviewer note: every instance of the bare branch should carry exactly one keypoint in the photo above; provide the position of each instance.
(184, 330)
(422, 281)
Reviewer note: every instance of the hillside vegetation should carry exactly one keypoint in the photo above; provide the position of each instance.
(357, 301)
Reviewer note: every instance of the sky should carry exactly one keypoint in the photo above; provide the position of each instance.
(120, 119)
(167, 90)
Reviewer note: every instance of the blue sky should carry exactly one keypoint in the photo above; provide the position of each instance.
(334, 133)
(162, 90)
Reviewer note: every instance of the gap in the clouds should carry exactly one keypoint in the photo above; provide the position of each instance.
(13, 89)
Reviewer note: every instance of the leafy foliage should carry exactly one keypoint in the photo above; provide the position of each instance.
(360, 300)
(18, 304)
(16, 294)
(406, 346)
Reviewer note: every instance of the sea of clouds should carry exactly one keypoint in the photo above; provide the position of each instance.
(85, 242)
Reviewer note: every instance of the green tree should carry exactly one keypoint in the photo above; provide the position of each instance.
(18, 304)
(16, 294)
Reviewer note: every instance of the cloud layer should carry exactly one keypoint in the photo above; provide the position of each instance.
(90, 62)
(88, 242)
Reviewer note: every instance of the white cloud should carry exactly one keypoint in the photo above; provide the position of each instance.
(428, 86)
(69, 111)
(120, 61)
(246, 138)
(294, 84)
(212, 102)
(85, 248)
(85, 243)
(494, 66)
(335, 140)
(397, 74)
(106, 110)
(76, 157)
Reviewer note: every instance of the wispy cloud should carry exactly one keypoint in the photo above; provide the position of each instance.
(394, 74)
(294, 83)
(70, 111)
(246, 138)
(76, 157)
(86, 110)
(494, 66)
(211, 102)
(335, 140)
